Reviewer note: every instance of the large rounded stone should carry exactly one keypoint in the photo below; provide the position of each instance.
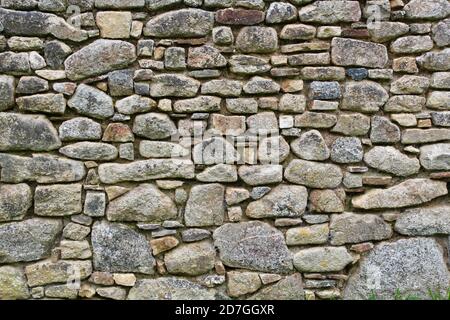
(144, 203)
(118, 248)
(191, 259)
(21, 132)
(154, 126)
(322, 259)
(391, 160)
(99, 57)
(184, 23)
(313, 174)
(407, 266)
(282, 201)
(257, 40)
(347, 150)
(364, 96)
(349, 52)
(253, 245)
(205, 206)
(15, 200)
(311, 146)
(92, 102)
(95, 151)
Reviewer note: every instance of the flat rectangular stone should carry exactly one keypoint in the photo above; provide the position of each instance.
(146, 170)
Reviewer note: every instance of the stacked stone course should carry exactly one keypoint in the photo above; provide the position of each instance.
(217, 149)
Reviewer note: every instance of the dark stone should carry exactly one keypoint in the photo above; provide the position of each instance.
(239, 16)
(357, 74)
(120, 83)
(325, 90)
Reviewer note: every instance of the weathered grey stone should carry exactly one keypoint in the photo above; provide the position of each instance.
(13, 284)
(364, 96)
(416, 136)
(439, 100)
(80, 129)
(20, 132)
(297, 32)
(311, 146)
(119, 4)
(435, 61)
(75, 249)
(427, 9)
(273, 150)
(408, 193)
(199, 104)
(244, 64)
(316, 120)
(253, 245)
(322, 259)
(260, 85)
(441, 33)
(7, 92)
(57, 200)
(45, 103)
(92, 102)
(111, 173)
(120, 83)
(96, 151)
(414, 266)
(219, 173)
(241, 283)
(355, 228)
(166, 85)
(118, 248)
(205, 57)
(74, 231)
(289, 288)
(324, 90)
(95, 204)
(184, 23)
(193, 235)
(391, 160)
(98, 58)
(410, 85)
(331, 12)
(384, 31)
(223, 88)
(441, 119)
(440, 80)
(215, 150)
(42, 168)
(145, 203)
(313, 174)
(169, 288)
(332, 200)
(279, 12)
(34, 23)
(162, 149)
(347, 150)
(424, 221)
(15, 200)
(405, 103)
(15, 63)
(282, 201)
(412, 44)
(135, 104)
(349, 52)
(46, 272)
(29, 240)
(55, 53)
(316, 234)
(435, 156)
(261, 174)
(257, 40)
(31, 85)
(384, 131)
(154, 126)
(191, 259)
(352, 124)
(205, 206)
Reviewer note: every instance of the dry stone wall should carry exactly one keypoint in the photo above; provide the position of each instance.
(216, 149)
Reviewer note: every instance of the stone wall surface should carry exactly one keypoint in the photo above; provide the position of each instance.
(224, 149)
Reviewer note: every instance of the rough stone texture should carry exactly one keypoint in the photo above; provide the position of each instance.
(144, 203)
(282, 201)
(354, 228)
(118, 248)
(414, 266)
(177, 147)
(408, 193)
(254, 246)
(424, 221)
(99, 57)
(28, 240)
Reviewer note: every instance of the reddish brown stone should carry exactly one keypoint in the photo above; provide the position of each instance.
(377, 180)
(239, 16)
(440, 175)
(355, 33)
(362, 247)
(118, 132)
